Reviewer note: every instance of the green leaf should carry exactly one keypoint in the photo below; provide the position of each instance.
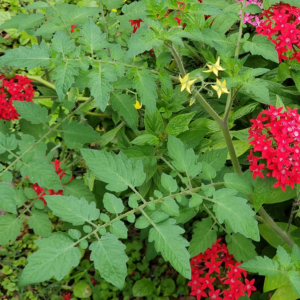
(118, 228)
(110, 259)
(92, 37)
(144, 83)
(10, 227)
(62, 43)
(283, 257)
(184, 160)
(238, 182)
(82, 290)
(31, 112)
(27, 57)
(78, 189)
(23, 21)
(64, 76)
(252, 8)
(7, 198)
(240, 247)
(296, 256)
(236, 212)
(264, 192)
(77, 134)
(279, 104)
(296, 78)
(117, 171)
(170, 207)
(123, 105)
(208, 172)
(143, 40)
(203, 237)
(195, 200)
(113, 204)
(100, 79)
(41, 172)
(55, 257)
(169, 183)
(285, 292)
(168, 240)
(260, 45)
(146, 139)
(71, 209)
(262, 265)
(215, 158)
(153, 122)
(243, 111)
(179, 123)
(295, 283)
(40, 223)
(143, 288)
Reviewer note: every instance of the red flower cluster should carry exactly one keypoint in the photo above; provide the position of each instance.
(281, 27)
(18, 88)
(41, 192)
(67, 297)
(72, 28)
(218, 268)
(136, 24)
(276, 135)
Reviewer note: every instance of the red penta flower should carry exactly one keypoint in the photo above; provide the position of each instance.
(280, 25)
(18, 88)
(214, 267)
(276, 136)
(67, 297)
(41, 191)
(136, 24)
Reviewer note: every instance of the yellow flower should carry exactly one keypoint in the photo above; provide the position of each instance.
(186, 83)
(114, 10)
(220, 88)
(215, 68)
(138, 105)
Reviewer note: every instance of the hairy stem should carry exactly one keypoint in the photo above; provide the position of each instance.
(104, 23)
(237, 50)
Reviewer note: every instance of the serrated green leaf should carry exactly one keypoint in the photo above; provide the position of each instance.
(142, 222)
(236, 212)
(295, 283)
(179, 123)
(118, 228)
(78, 189)
(170, 207)
(284, 292)
(203, 237)
(7, 198)
(146, 139)
(71, 209)
(240, 247)
(10, 227)
(168, 240)
(238, 182)
(110, 259)
(144, 83)
(77, 134)
(262, 265)
(260, 45)
(243, 111)
(123, 105)
(184, 160)
(215, 158)
(92, 37)
(55, 257)
(41, 172)
(143, 287)
(283, 257)
(64, 76)
(117, 171)
(169, 183)
(62, 43)
(153, 122)
(31, 112)
(100, 83)
(296, 256)
(113, 204)
(27, 57)
(40, 223)
(195, 200)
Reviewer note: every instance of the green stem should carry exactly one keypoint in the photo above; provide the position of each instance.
(237, 50)
(41, 80)
(195, 53)
(104, 24)
(97, 115)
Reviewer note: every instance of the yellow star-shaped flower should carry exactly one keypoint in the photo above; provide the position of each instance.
(138, 105)
(114, 10)
(220, 88)
(215, 68)
(186, 83)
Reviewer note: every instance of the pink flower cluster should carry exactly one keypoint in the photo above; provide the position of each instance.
(251, 18)
(216, 267)
(18, 88)
(276, 136)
